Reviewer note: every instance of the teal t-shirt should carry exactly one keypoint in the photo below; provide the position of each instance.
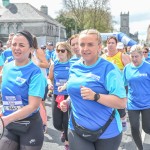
(138, 81)
(104, 78)
(20, 82)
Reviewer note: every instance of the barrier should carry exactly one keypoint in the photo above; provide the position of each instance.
(121, 37)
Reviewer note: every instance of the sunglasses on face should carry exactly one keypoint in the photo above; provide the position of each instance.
(60, 50)
(145, 52)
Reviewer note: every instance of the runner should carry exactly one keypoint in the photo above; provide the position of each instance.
(21, 98)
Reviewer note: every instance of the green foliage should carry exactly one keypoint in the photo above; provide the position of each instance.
(85, 14)
(69, 23)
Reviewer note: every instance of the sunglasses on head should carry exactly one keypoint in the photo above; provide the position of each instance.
(60, 50)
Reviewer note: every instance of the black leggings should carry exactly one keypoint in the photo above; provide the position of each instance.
(31, 140)
(60, 119)
(122, 112)
(78, 143)
(134, 118)
(45, 95)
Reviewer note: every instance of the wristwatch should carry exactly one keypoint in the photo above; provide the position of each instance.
(96, 97)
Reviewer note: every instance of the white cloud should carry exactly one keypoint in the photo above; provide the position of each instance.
(139, 15)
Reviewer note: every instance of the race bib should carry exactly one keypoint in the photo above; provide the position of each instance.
(60, 82)
(12, 103)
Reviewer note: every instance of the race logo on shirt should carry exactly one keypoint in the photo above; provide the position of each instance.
(93, 76)
(143, 74)
(67, 68)
(20, 80)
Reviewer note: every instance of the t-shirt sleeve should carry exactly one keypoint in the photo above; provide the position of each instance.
(37, 85)
(124, 77)
(114, 84)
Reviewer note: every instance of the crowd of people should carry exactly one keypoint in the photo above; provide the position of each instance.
(93, 89)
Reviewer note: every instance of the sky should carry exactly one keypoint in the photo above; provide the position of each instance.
(139, 12)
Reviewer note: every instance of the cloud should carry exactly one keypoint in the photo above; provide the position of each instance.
(140, 17)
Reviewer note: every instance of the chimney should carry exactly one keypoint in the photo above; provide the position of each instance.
(5, 2)
(44, 9)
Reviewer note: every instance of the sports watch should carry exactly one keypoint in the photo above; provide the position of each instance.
(96, 97)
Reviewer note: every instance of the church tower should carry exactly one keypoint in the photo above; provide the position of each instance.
(124, 23)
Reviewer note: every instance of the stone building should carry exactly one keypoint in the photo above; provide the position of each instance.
(18, 16)
(124, 26)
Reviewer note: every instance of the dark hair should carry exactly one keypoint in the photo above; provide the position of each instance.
(146, 48)
(35, 43)
(112, 37)
(27, 35)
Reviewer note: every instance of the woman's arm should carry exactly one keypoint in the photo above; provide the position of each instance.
(126, 59)
(107, 100)
(34, 103)
(62, 88)
(41, 56)
(50, 77)
(112, 101)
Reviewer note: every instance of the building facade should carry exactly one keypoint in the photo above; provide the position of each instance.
(124, 26)
(23, 16)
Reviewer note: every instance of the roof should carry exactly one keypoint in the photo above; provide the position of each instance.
(25, 12)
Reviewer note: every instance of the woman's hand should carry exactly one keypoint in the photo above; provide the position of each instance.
(61, 88)
(50, 86)
(5, 120)
(64, 105)
(87, 93)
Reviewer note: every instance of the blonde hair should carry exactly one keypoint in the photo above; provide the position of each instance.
(136, 48)
(92, 31)
(67, 47)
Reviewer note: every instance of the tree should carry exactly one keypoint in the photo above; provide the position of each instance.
(84, 14)
(69, 23)
(90, 14)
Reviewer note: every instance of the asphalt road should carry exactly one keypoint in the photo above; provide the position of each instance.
(52, 137)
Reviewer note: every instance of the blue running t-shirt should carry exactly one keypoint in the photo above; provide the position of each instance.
(19, 82)
(103, 78)
(61, 75)
(138, 81)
